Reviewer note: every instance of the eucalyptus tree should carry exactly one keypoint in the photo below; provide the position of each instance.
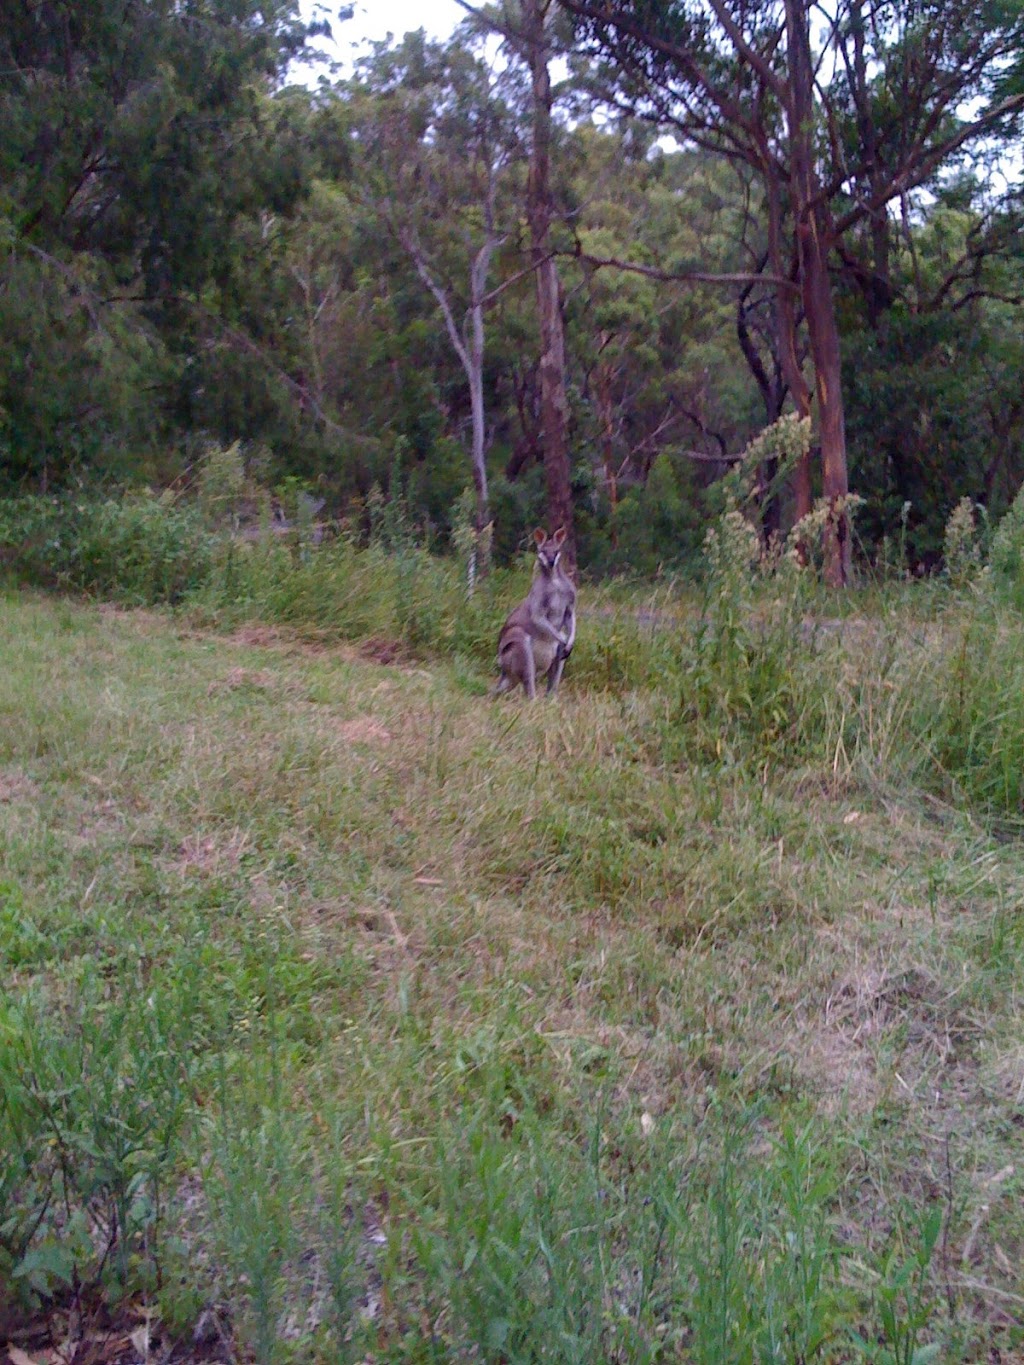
(532, 38)
(658, 364)
(437, 148)
(838, 110)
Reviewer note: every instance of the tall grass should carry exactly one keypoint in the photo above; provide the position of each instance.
(352, 1017)
(757, 679)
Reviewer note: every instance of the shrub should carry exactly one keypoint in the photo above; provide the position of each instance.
(92, 1105)
(139, 549)
(962, 550)
(1006, 557)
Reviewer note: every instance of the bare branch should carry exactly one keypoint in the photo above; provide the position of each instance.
(920, 167)
(681, 276)
(749, 54)
(419, 260)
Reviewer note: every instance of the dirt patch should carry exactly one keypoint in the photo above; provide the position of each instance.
(838, 1067)
(256, 635)
(380, 650)
(100, 821)
(140, 616)
(837, 1053)
(1005, 1074)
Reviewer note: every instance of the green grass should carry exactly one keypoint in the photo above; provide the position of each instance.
(348, 1014)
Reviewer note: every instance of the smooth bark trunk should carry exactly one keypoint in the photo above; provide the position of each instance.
(786, 325)
(470, 351)
(554, 405)
(773, 395)
(816, 291)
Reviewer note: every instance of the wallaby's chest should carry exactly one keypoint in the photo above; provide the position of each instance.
(555, 597)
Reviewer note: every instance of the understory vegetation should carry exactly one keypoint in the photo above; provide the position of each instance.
(347, 1014)
(350, 1015)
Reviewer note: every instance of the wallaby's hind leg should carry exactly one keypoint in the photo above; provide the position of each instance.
(529, 671)
(502, 685)
(555, 673)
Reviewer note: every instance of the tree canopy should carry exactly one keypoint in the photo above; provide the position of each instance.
(574, 259)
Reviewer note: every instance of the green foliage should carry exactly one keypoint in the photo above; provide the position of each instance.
(970, 715)
(1006, 555)
(962, 550)
(750, 692)
(657, 525)
(94, 1097)
(222, 485)
(72, 395)
(927, 399)
(904, 1297)
(106, 255)
(139, 549)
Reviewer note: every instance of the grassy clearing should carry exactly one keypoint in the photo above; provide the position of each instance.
(349, 1015)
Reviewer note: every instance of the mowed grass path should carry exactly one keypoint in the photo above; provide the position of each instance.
(408, 962)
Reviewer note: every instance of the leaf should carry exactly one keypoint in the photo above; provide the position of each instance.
(41, 1262)
(497, 1332)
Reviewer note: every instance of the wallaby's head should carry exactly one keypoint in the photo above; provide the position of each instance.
(549, 548)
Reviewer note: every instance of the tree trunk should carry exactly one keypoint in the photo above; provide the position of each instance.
(773, 395)
(877, 285)
(785, 320)
(475, 375)
(819, 310)
(554, 405)
(824, 336)
(470, 350)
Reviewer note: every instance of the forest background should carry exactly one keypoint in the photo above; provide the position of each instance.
(346, 1016)
(480, 263)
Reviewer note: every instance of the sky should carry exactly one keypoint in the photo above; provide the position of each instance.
(374, 19)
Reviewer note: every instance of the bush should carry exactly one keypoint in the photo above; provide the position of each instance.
(752, 689)
(140, 549)
(1006, 557)
(962, 550)
(969, 716)
(92, 1107)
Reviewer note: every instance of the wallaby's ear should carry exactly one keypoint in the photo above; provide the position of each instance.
(559, 535)
(540, 536)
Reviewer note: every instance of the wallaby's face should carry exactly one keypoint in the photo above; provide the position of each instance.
(549, 549)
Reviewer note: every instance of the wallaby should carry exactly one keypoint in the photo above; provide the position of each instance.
(539, 634)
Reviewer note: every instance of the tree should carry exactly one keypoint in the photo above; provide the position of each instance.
(134, 137)
(437, 145)
(527, 27)
(750, 83)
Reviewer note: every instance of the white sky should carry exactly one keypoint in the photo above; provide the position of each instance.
(374, 19)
